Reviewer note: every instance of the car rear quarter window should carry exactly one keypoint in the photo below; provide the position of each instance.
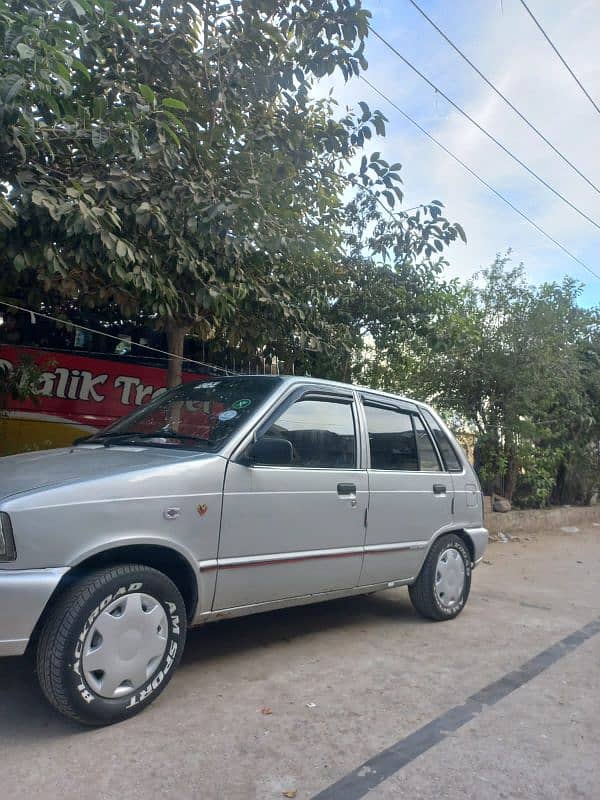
(428, 458)
(451, 459)
(392, 439)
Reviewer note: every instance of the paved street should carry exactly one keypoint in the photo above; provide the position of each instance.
(307, 700)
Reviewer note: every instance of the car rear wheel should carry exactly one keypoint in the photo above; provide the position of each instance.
(111, 643)
(442, 588)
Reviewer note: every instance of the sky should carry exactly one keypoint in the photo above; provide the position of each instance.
(503, 42)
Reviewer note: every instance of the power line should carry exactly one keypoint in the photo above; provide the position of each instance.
(553, 46)
(483, 130)
(503, 97)
(110, 336)
(480, 179)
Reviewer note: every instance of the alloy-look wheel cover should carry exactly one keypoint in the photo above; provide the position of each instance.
(450, 577)
(125, 645)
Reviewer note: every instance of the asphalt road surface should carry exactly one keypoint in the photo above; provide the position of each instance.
(354, 698)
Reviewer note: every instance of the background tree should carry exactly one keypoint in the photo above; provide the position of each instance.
(19, 383)
(518, 363)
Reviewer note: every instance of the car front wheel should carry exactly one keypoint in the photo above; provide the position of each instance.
(111, 643)
(442, 588)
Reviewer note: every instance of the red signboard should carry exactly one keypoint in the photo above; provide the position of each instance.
(88, 391)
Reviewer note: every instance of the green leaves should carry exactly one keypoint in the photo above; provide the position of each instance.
(366, 113)
(379, 123)
(172, 102)
(178, 167)
(147, 94)
(25, 51)
(11, 86)
(507, 358)
(77, 7)
(20, 382)
(80, 66)
(99, 107)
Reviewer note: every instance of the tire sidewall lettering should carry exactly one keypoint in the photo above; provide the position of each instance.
(130, 701)
(143, 694)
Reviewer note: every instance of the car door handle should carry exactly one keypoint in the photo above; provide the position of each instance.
(346, 489)
(439, 488)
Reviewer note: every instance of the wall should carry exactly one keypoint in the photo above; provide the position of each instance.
(542, 519)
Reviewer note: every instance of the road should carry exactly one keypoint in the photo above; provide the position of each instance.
(355, 698)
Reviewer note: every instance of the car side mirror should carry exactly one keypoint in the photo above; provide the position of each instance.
(270, 451)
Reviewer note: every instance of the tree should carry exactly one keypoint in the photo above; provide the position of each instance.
(576, 429)
(516, 362)
(17, 383)
(383, 287)
(149, 165)
(170, 157)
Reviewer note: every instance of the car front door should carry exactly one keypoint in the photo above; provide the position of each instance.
(297, 528)
(410, 495)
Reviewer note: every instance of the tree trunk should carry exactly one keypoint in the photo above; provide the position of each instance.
(511, 475)
(175, 338)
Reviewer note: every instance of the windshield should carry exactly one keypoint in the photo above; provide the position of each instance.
(199, 416)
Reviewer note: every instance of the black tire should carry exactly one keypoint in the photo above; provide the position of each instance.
(64, 633)
(423, 593)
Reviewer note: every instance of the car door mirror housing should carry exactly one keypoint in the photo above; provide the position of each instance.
(270, 451)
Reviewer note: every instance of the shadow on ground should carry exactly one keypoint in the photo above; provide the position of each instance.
(26, 716)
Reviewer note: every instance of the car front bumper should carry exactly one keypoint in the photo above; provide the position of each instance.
(23, 596)
(479, 537)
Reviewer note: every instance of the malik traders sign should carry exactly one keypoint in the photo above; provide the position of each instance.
(76, 395)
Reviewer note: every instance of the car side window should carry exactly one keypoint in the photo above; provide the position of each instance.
(428, 459)
(451, 460)
(321, 432)
(392, 439)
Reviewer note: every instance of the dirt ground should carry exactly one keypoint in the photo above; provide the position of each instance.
(355, 698)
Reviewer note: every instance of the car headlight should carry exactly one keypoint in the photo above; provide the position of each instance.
(7, 541)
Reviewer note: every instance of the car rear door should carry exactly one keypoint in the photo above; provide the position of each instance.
(296, 530)
(410, 495)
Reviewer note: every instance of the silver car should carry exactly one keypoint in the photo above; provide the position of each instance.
(220, 499)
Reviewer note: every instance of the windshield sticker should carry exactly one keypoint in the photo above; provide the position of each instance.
(207, 385)
(225, 416)
(240, 404)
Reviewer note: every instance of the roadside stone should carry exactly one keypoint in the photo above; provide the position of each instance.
(502, 505)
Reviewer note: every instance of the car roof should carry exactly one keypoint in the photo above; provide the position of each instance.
(302, 379)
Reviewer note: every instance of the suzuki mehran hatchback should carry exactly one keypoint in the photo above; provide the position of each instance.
(219, 499)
